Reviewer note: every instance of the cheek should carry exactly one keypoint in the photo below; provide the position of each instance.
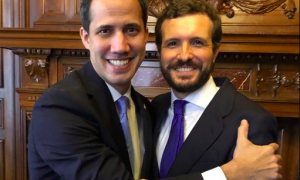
(138, 45)
(166, 57)
(100, 46)
(206, 58)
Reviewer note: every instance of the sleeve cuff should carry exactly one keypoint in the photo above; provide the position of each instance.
(214, 174)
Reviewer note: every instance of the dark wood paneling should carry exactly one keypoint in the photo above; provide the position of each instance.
(1, 114)
(1, 51)
(57, 14)
(1, 68)
(2, 138)
(288, 139)
(1, 14)
(259, 53)
(2, 170)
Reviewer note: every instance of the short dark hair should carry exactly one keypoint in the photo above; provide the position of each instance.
(86, 18)
(179, 8)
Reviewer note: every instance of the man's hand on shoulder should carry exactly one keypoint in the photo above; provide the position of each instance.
(251, 161)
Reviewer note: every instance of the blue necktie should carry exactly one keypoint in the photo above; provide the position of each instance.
(175, 140)
(123, 102)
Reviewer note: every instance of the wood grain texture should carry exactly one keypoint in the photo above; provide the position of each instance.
(259, 53)
(2, 165)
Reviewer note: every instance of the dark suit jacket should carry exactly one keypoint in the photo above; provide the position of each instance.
(75, 132)
(212, 141)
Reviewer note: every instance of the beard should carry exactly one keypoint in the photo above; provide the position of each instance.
(189, 87)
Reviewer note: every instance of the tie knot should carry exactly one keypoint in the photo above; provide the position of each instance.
(179, 106)
(123, 104)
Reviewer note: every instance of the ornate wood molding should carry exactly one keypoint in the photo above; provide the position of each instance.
(36, 68)
(242, 40)
(36, 65)
(275, 81)
(1, 113)
(226, 6)
(28, 116)
(289, 9)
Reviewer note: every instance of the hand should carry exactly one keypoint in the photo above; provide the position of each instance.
(251, 161)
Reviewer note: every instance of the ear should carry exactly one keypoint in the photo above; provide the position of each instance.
(85, 38)
(146, 34)
(216, 54)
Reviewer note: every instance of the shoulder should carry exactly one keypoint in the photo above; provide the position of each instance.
(161, 102)
(166, 97)
(68, 91)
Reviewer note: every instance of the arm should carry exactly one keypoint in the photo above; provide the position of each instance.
(252, 161)
(68, 139)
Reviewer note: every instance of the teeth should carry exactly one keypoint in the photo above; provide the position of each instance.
(119, 62)
(184, 69)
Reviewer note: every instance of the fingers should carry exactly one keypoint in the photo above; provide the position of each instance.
(274, 146)
(278, 157)
(243, 131)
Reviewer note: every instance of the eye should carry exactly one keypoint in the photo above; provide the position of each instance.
(104, 32)
(132, 31)
(172, 44)
(197, 42)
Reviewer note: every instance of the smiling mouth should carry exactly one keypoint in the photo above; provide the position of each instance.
(184, 69)
(119, 62)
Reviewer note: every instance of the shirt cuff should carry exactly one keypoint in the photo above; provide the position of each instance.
(214, 174)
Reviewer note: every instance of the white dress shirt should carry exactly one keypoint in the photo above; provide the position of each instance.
(197, 102)
(136, 132)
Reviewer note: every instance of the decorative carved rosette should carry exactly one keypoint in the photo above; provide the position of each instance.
(36, 68)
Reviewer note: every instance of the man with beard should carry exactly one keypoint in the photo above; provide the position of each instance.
(197, 122)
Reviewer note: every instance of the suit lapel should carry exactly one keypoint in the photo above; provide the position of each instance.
(104, 105)
(161, 112)
(145, 118)
(206, 130)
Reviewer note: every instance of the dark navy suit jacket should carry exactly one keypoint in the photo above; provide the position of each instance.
(212, 141)
(75, 132)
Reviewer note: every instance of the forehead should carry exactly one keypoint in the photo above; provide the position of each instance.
(195, 25)
(114, 9)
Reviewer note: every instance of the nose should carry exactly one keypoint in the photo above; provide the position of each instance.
(185, 53)
(119, 43)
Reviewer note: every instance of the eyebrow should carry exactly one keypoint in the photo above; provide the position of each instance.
(193, 38)
(202, 39)
(133, 25)
(103, 27)
(110, 26)
(171, 39)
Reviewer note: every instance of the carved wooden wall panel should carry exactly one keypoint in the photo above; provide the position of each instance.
(260, 54)
(34, 67)
(2, 169)
(1, 50)
(1, 114)
(289, 134)
(58, 13)
(283, 15)
(240, 68)
(275, 14)
(1, 68)
(2, 140)
(75, 19)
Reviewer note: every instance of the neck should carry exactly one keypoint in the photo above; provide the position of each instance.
(122, 89)
(181, 95)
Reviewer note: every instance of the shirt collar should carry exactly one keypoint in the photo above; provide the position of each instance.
(116, 95)
(202, 96)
